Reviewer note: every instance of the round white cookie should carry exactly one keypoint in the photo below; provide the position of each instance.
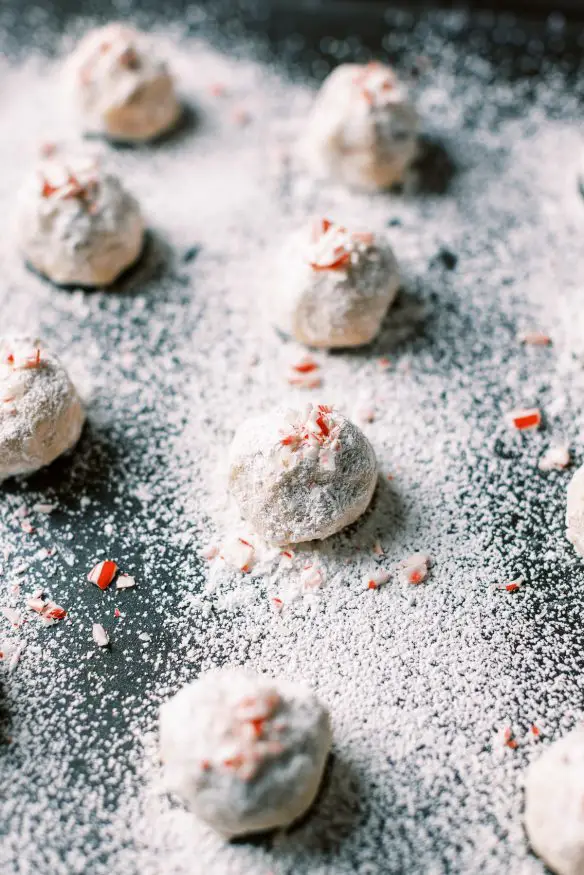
(41, 415)
(554, 809)
(77, 223)
(244, 751)
(301, 476)
(121, 88)
(334, 286)
(575, 511)
(362, 130)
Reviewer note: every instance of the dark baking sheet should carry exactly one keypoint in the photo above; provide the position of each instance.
(104, 454)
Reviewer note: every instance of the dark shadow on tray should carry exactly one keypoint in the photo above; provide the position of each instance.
(150, 266)
(331, 818)
(189, 121)
(403, 324)
(4, 718)
(434, 167)
(88, 468)
(384, 517)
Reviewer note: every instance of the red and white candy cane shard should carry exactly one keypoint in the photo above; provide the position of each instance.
(525, 418)
(99, 635)
(535, 338)
(125, 581)
(103, 573)
(555, 459)
(376, 578)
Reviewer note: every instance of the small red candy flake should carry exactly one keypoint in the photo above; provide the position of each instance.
(27, 527)
(48, 190)
(320, 227)
(238, 553)
(535, 731)
(414, 570)
(103, 573)
(508, 739)
(303, 374)
(117, 613)
(277, 603)
(48, 610)
(376, 579)
(555, 458)
(535, 338)
(525, 418)
(384, 363)
(305, 365)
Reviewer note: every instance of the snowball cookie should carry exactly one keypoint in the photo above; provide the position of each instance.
(121, 88)
(41, 415)
(335, 286)
(362, 130)
(554, 809)
(575, 511)
(244, 751)
(301, 476)
(78, 225)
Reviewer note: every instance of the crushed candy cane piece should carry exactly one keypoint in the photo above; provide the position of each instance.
(555, 458)
(27, 527)
(377, 84)
(117, 613)
(13, 616)
(376, 578)
(125, 581)
(332, 247)
(535, 731)
(16, 654)
(525, 418)
(39, 507)
(99, 635)
(511, 585)
(277, 603)
(306, 365)
(48, 611)
(210, 551)
(238, 553)
(384, 363)
(535, 338)
(414, 570)
(103, 573)
(311, 577)
(508, 739)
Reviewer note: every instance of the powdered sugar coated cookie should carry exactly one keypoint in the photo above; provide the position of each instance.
(554, 813)
(334, 286)
(120, 87)
(301, 476)
(362, 130)
(77, 224)
(244, 751)
(41, 415)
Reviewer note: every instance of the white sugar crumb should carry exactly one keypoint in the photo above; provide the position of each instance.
(421, 680)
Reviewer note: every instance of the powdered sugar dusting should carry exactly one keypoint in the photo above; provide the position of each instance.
(422, 681)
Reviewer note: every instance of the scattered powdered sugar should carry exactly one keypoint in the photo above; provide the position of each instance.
(434, 689)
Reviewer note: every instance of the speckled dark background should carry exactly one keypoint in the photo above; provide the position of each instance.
(292, 32)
